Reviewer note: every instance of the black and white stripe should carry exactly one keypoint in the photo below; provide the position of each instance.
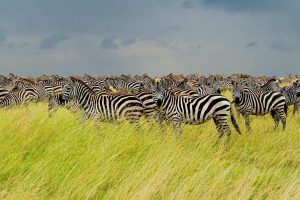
(105, 107)
(19, 97)
(249, 102)
(3, 92)
(292, 95)
(194, 111)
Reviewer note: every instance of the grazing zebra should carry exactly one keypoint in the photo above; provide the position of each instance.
(3, 92)
(292, 95)
(249, 102)
(106, 107)
(18, 97)
(194, 111)
(56, 101)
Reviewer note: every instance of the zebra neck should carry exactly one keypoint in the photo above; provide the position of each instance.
(85, 98)
(170, 101)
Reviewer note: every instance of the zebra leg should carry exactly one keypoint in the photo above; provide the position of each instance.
(134, 119)
(296, 108)
(238, 114)
(247, 122)
(177, 126)
(220, 132)
(222, 127)
(275, 118)
(160, 118)
(281, 115)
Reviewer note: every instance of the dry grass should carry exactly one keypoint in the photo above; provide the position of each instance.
(64, 158)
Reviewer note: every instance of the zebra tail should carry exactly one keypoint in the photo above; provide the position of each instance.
(234, 121)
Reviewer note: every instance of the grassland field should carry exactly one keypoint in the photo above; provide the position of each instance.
(63, 157)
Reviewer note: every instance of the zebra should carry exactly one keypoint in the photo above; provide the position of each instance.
(205, 90)
(132, 86)
(271, 85)
(186, 93)
(3, 92)
(106, 107)
(18, 97)
(292, 95)
(194, 111)
(202, 89)
(150, 106)
(97, 86)
(56, 101)
(249, 102)
(23, 84)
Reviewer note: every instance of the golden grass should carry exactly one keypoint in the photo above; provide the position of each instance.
(63, 157)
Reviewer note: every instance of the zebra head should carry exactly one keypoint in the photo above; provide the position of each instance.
(297, 88)
(68, 91)
(157, 92)
(237, 91)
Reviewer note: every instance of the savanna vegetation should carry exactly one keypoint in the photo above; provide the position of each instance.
(64, 157)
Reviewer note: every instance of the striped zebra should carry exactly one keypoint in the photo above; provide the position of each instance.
(132, 86)
(292, 95)
(194, 111)
(105, 107)
(23, 84)
(186, 93)
(202, 89)
(56, 101)
(170, 83)
(249, 102)
(3, 92)
(97, 86)
(18, 97)
(271, 85)
(150, 106)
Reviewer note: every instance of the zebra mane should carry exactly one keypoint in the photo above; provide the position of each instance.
(74, 80)
(269, 81)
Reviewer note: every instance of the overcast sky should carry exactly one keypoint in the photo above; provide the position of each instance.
(149, 36)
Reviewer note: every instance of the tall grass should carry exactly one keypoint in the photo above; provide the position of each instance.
(63, 157)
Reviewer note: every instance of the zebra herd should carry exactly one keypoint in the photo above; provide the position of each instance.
(175, 99)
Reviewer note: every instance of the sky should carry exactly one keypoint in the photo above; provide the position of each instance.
(113, 37)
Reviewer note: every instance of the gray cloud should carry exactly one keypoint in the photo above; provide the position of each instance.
(251, 44)
(109, 43)
(51, 41)
(189, 4)
(160, 33)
